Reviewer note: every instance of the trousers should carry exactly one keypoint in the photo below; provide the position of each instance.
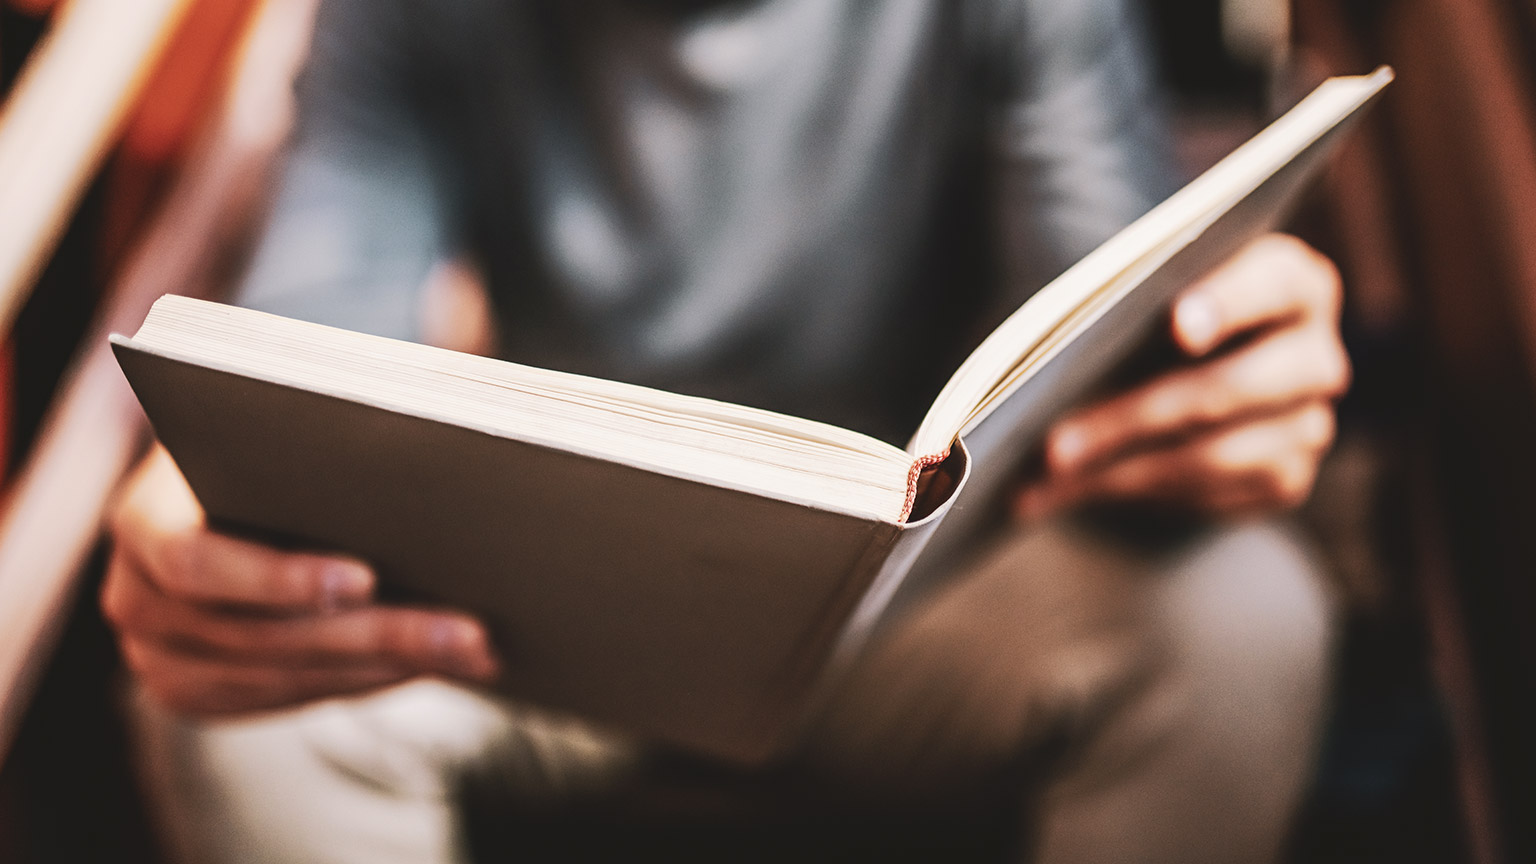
(1118, 703)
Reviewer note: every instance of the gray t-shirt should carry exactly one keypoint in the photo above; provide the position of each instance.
(813, 206)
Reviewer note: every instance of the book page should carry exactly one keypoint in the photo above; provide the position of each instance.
(1064, 308)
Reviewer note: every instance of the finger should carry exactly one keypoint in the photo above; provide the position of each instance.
(1264, 463)
(1273, 280)
(427, 641)
(160, 526)
(195, 685)
(1040, 500)
(1288, 369)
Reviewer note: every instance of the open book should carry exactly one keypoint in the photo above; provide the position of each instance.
(676, 566)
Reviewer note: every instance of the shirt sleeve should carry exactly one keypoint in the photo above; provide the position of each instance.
(358, 218)
(1077, 133)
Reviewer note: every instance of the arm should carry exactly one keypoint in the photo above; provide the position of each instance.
(361, 213)
(215, 625)
(1078, 144)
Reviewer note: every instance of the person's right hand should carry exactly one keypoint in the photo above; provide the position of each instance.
(214, 625)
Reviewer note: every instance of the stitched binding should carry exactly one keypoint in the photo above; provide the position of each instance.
(913, 476)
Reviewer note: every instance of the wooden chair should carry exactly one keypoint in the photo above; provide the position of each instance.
(51, 514)
(1434, 209)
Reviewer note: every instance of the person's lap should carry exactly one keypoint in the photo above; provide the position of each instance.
(1108, 702)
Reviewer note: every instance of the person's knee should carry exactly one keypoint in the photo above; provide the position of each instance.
(1206, 759)
(1247, 609)
(1241, 627)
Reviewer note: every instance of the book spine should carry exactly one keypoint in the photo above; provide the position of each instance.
(821, 661)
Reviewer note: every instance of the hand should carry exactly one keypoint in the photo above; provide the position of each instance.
(214, 625)
(1241, 430)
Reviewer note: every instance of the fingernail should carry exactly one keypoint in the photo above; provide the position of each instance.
(459, 647)
(1067, 448)
(344, 582)
(1195, 318)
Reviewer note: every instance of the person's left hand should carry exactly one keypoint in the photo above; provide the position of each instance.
(1240, 430)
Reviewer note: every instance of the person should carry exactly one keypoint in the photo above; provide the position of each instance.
(802, 205)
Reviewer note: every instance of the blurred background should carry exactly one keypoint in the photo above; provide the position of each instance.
(1427, 505)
